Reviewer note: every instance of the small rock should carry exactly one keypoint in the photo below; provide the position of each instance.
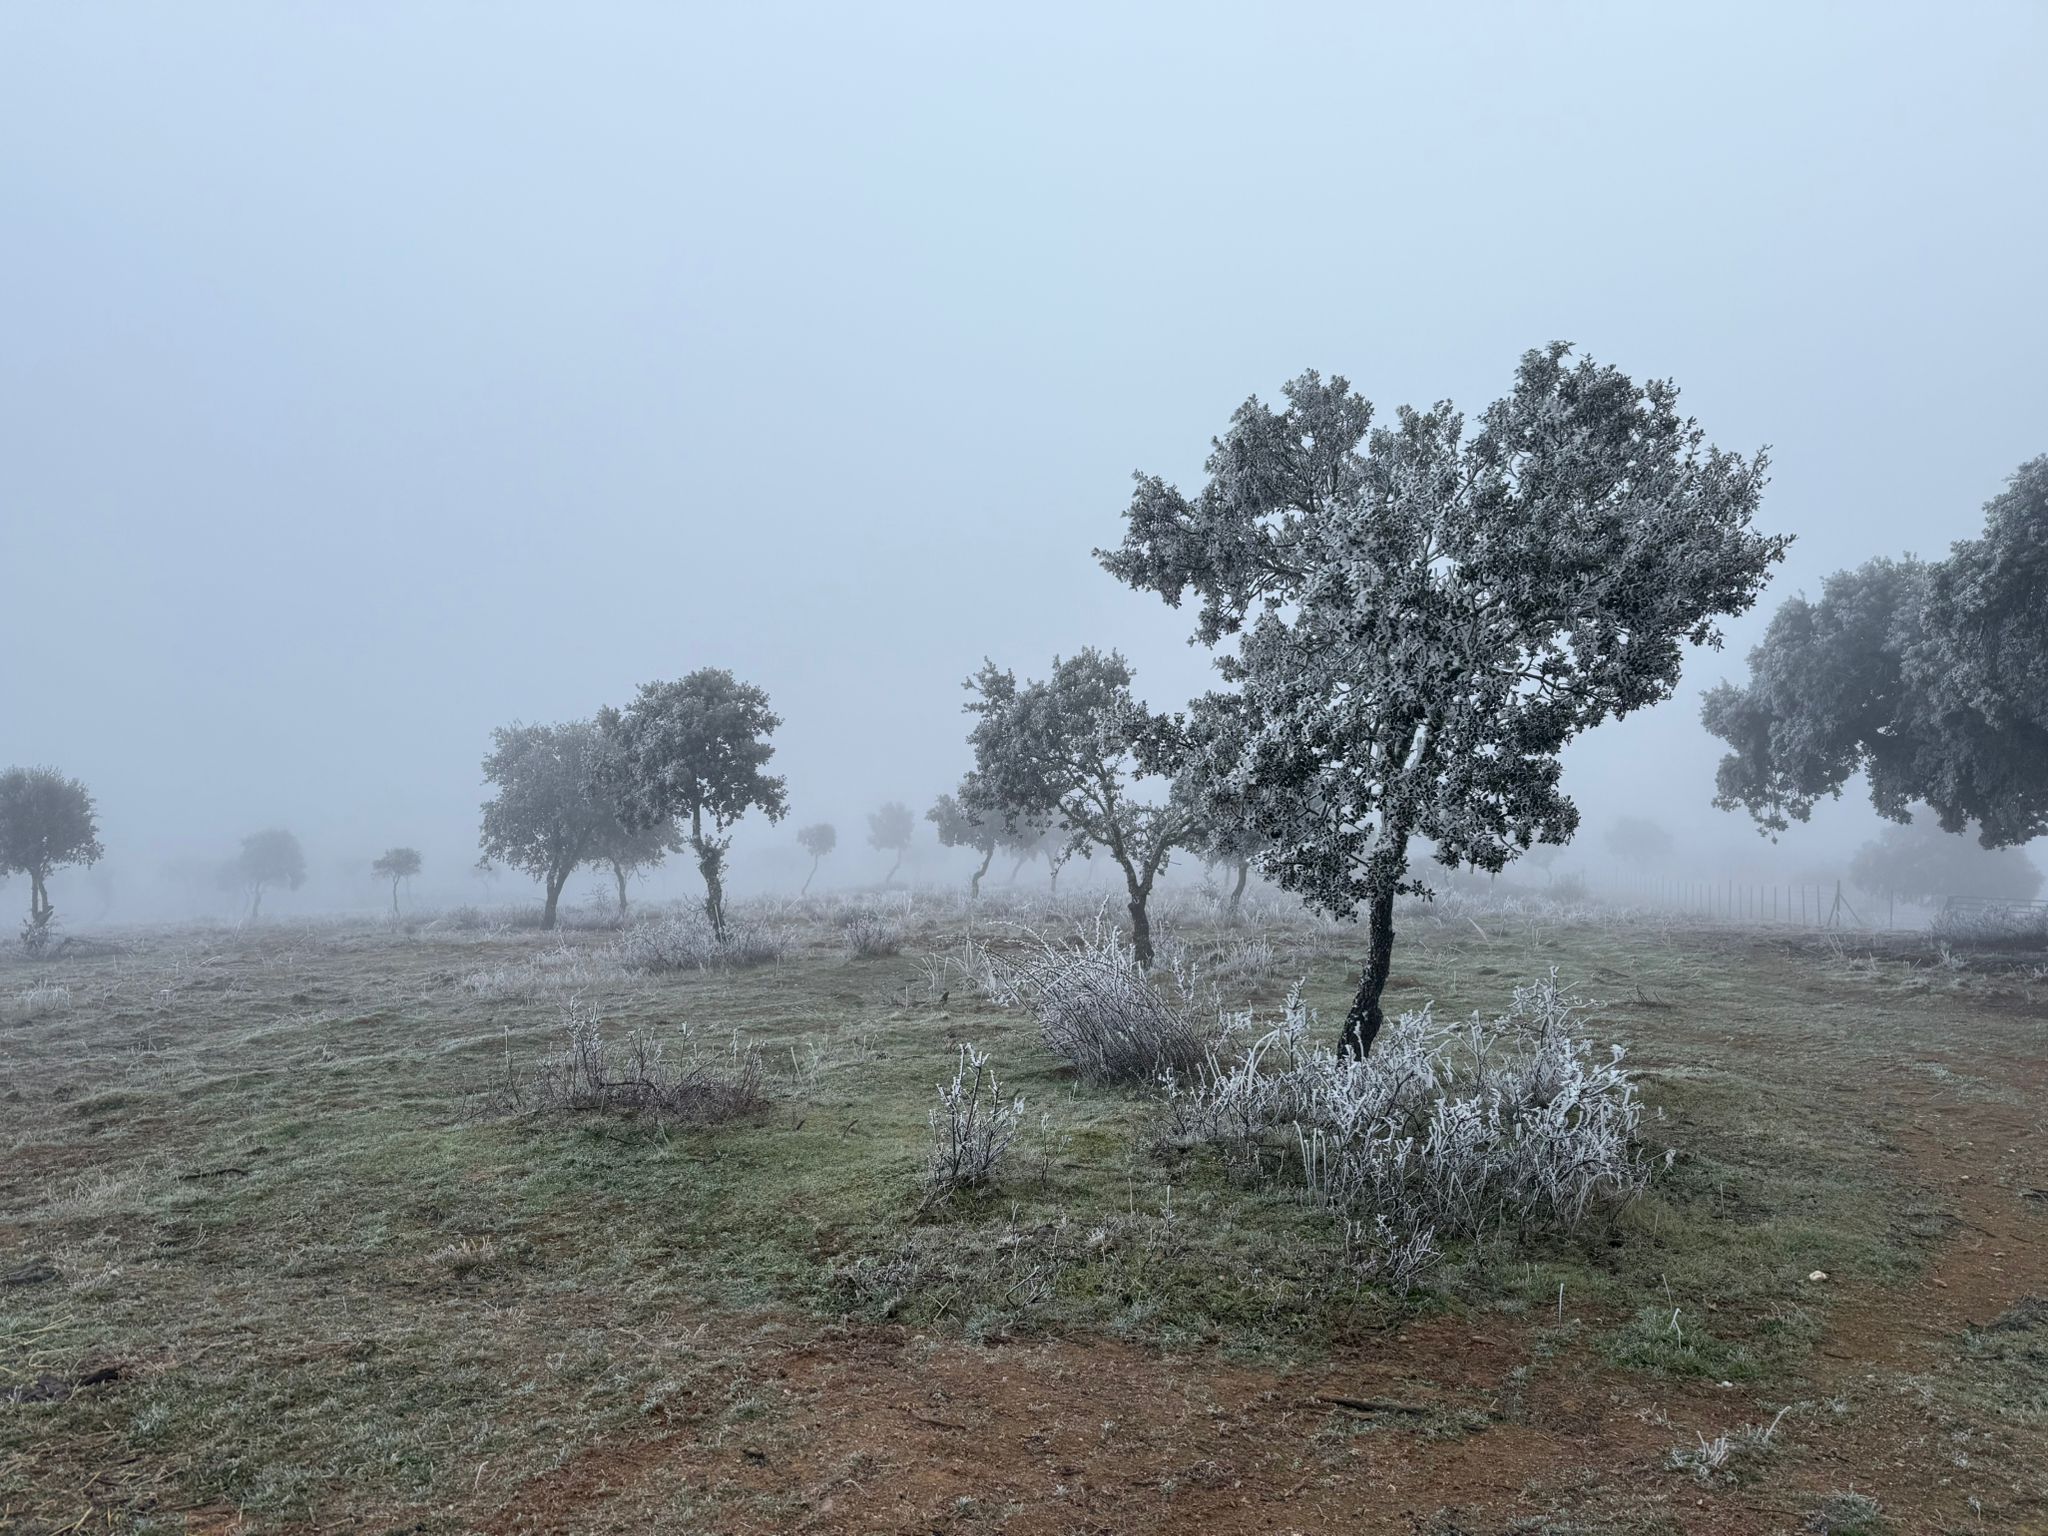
(1817, 1276)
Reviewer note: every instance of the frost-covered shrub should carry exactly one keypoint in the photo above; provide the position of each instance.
(682, 1080)
(1095, 1009)
(1517, 1123)
(870, 934)
(971, 1127)
(688, 942)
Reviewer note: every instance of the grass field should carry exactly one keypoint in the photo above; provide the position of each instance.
(276, 1255)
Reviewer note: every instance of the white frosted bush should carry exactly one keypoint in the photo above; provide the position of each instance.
(1516, 1123)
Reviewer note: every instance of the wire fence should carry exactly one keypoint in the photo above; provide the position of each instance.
(1803, 904)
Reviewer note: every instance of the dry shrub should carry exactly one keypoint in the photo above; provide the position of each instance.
(676, 1082)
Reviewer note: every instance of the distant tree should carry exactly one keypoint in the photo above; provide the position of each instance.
(889, 831)
(1930, 678)
(1035, 838)
(269, 858)
(1236, 849)
(1074, 749)
(628, 850)
(693, 752)
(46, 822)
(1544, 857)
(1920, 863)
(818, 839)
(985, 833)
(396, 864)
(545, 819)
(1425, 615)
(1640, 841)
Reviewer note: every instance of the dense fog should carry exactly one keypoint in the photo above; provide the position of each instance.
(375, 378)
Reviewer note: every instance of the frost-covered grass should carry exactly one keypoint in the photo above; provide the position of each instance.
(262, 1173)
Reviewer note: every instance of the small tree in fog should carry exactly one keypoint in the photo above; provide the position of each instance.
(957, 828)
(1425, 615)
(395, 865)
(628, 850)
(889, 831)
(1074, 749)
(1236, 849)
(1921, 864)
(692, 752)
(818, 839)
(46, 822)
(545, 819)
(269, 858)
(1638, 840)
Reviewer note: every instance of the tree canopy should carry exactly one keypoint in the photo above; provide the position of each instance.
(1930, 678)
(47, 821)
(1425, 613)
(694, 752)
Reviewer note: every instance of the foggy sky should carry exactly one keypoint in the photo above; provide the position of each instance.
(372, 376)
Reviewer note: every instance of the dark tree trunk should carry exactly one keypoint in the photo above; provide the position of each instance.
(1141, 920)
(619, 874)
(1363, 1022)
(892, 869)
(547, 913)
(1055, 876)
(709, 859)
(255, 902)
(974, 885)
(812, 875)
(394, 897)
(1244, 869)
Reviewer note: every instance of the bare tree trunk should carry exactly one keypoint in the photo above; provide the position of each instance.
(892, 869)
(255, 901)
(554, 884)
(394, 896)
(1018, 868)
(619, 874)
(974, 885)
(1362, 1023)
(1244, 869)
(811, 876)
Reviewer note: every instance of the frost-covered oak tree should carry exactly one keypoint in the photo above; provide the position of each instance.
(692, 752)
(1929, 677)
(890, 829)
(545, 819)
(1072, 750)
(396, 865)
(818, 839)
(46, 822)
(1426, 612)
